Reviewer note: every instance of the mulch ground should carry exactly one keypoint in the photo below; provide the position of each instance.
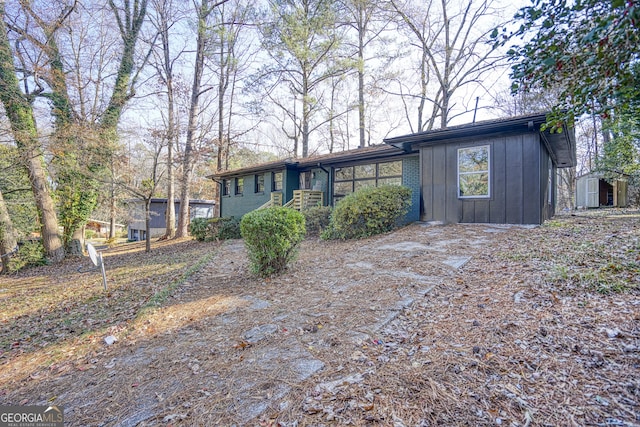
(430, 325)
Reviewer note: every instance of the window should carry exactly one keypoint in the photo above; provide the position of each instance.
(259, 183)
(305, 180)
(277, 181)
(473, 172)
(226, 187)
(239, 186)
(351, 178)
(201, 212)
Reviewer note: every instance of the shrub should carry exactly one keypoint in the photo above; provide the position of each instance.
(225, 228)
(368, 211)
(271, 237)
(198, 228)
(317, 219)
(207, 229)
(30, 253)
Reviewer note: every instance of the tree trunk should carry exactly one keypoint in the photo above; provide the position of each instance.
(194, 111)
(170, 217)
(76, 244)
(147, 224)
(306, 116)
(361, 33)
(7, 235)
(20, 115)
(112, 210)
(171, 194)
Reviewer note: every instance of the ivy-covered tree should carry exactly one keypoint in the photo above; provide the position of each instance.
(588, 48)
(19, 111)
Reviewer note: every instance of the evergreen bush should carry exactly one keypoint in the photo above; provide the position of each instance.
(317, 219)
(225, 228)
(368, 211)
(208, 229)
(271, 237)
(30, 254)
(198, 228)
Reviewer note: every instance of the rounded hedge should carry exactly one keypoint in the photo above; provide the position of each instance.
(369, 211)
(272, 237)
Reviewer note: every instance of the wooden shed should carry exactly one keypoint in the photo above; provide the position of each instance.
(593, 191)
(497, 171)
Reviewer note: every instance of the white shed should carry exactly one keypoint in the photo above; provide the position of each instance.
(593, 191)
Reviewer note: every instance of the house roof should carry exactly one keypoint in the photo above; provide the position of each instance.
(560, 145)
(366, 153)
(97, 221)
(177, 201)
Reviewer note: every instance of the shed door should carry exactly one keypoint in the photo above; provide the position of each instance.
(621, 193)
(592, 193)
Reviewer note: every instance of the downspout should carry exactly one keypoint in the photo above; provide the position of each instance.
(329, 185)
(219, 201)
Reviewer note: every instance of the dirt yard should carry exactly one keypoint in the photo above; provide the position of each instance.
(456, 325)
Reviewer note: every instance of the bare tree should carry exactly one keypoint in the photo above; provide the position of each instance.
(130, 16)
(150, 173)
(452, 38)
(189, 154)
(365, 17)
(163, 20)
(230, 53)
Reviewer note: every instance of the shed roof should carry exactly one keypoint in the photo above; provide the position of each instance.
(560, 145)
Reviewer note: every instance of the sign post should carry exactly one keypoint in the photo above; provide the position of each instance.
(96, 259)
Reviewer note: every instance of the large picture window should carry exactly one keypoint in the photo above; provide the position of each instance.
(351, 178)
(473, 172)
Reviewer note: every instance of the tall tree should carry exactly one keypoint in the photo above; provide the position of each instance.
(20, 114)
(130, 16)
(304, 44)
(453, 47)
(228, 56)
(163, 20)
(362, 15)
(76, 190)
(189, 154)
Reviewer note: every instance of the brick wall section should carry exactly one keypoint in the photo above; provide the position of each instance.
(411, 179)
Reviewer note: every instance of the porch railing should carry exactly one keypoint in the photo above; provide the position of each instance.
(302, 199)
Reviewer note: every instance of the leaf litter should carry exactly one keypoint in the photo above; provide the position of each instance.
(430, 325)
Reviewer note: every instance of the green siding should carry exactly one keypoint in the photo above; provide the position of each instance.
(238, 205)
(411, 179)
